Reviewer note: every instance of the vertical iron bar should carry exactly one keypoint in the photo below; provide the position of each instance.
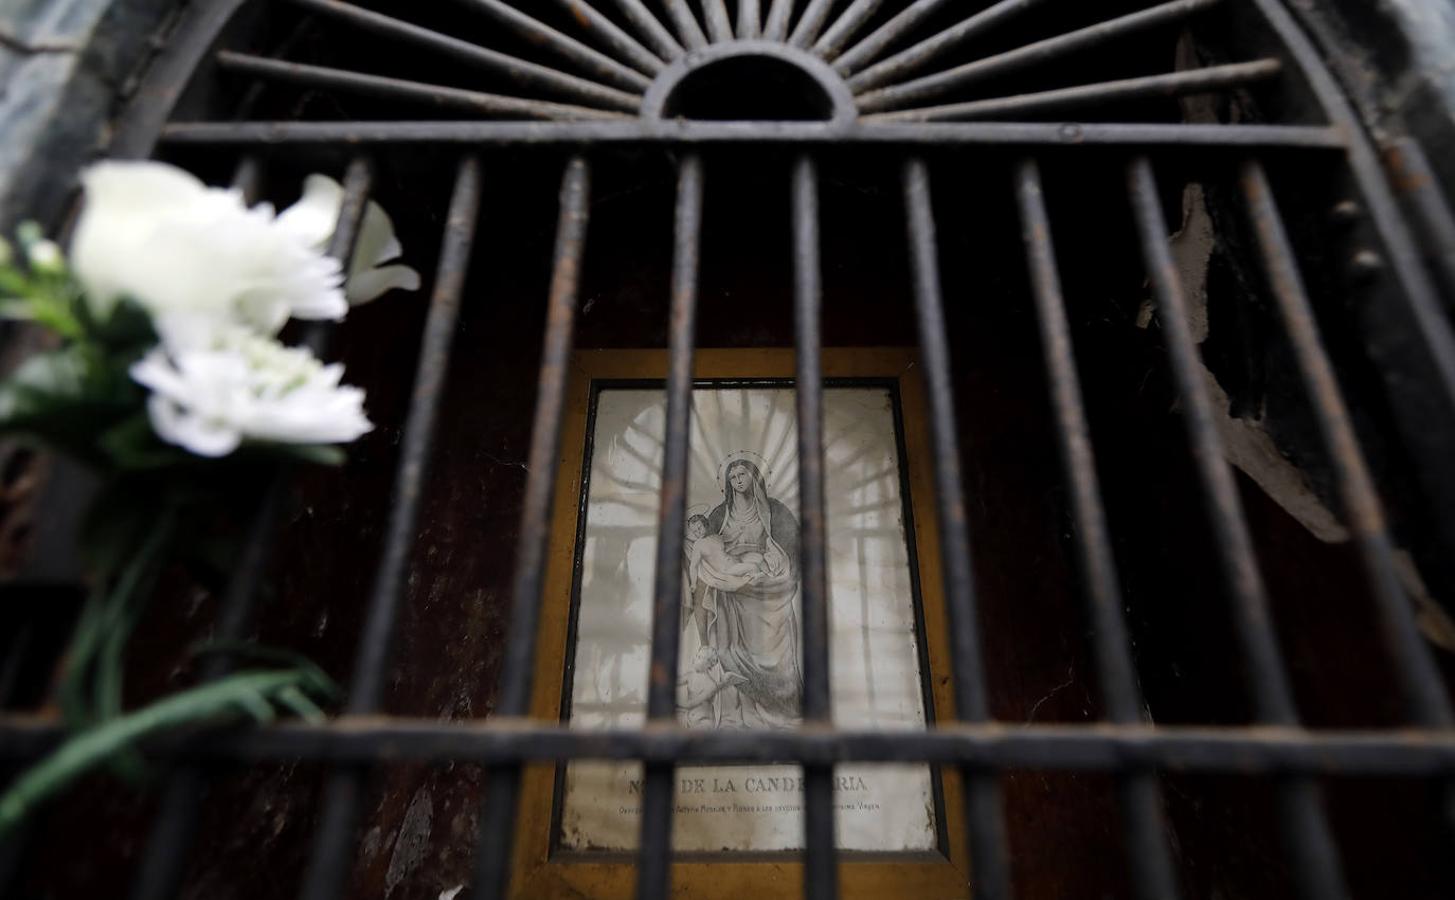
(1420, 680)
(1272, 696)
(820, 869)
(655, 868)
(1304, 826)
(328, 867)
(497, 822)
(650, 28)
(776, 28)
(750, 19)
(811, 22)
(989, 862)
(1147, 850)
(686, 24)
(169, 843)
(163, 863)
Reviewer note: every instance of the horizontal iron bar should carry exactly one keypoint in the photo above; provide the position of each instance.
(1175, 84)
(1249, 750)
(438, 96)
(524, 72)
(1017, 134)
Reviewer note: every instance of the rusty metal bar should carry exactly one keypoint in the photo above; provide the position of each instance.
(1415, 179)
(920, 54)
(492, 853)
(750, 19)
(655, 865)
(437, 96)
(647, 25)
(598, 64)
(989, 855)
(1420, 681)
(1263, 138)
(820, 869)
(845, 27)
(928, 87)
(686, 24)
(1150, 87)
(1141, 801)
(810, 22)
(779, 13)
(328, 866)
(169, 842)
(1271, 694)
(610, 34)
(1249, 750)
(1305, 828)
(524, 72)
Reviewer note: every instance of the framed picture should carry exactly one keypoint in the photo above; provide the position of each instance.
(740, 665)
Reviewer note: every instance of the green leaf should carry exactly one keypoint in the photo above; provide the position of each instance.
(317, 454)
(217, 702)
(127, 330)
(67, 399)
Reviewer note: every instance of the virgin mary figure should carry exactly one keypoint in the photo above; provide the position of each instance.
(751, 596)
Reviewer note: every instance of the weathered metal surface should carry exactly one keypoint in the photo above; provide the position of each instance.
(821, 867)
(342, 799)
(1147, 850)
(493, 849)
(940, 134)
(988, 849)
(654, 871)
(1004, 746)
(524, 72)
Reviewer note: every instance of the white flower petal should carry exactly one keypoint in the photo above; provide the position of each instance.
(315, 216)
(368, 285)
(158, 235)
(242, 386)
(202, 436)
(376, 243)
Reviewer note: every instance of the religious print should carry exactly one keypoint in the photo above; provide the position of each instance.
(740, 665)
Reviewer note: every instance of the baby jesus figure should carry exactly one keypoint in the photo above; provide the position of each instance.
(705, 549)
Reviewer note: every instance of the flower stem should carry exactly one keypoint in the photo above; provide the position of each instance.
(242, 694)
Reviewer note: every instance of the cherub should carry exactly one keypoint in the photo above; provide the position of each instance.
(697, 687)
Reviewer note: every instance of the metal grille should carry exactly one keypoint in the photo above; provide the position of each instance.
(905, 82)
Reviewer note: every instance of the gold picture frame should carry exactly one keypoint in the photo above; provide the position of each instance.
(541, 868)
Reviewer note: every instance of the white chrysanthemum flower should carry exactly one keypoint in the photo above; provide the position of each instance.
(238, 386)
(195, 255)
(313, 218)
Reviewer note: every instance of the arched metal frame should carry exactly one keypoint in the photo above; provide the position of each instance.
(611, 88)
